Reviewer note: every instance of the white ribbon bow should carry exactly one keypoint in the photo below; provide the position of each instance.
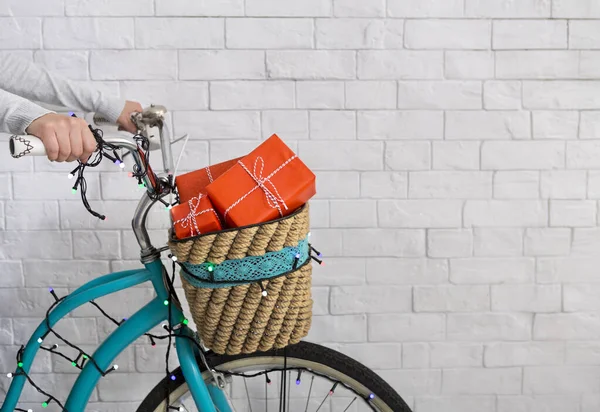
(190, 219)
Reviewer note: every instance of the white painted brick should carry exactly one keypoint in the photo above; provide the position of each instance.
(425, 8)
(419, 213)
(353, 213)
(489, 327)
(567, 326)
(469, 64)
(319, 95)
(21, 32)
(454, 355)
(526, 298)
(593, 191)
(51, 186)
(590, 403)
(589, 125)
(72, 64)
(547, 242)
(29, 302)
(408, 155)
(564, 184)
(480, 125)
(31, 215)
(537, 64)
(96, 245)
(74, 216)
(8, 362)
(371, 95)
(319, 213)
(373, 355)
(572, 213)
(221, 64)
(337, 185)
(12, 276)
(455, 155)
(583, 155)
(347, 328)
(289, 124)
(108, 8)
(268, 8)
(340, 271)
(330, 237)
(498, 213)
(585, 241)
(452, 298)
(248, 95)
(502, 95)
(332, 125)
(118, 387)
(359, 34)
(448, 34)
(517, 185)
(456, 403)
(384, 185)
(384, 242)
(358, 8)
(407, 271)
(582, 353)
(584, 34)
(199, 8)
(395, 64)
(6, 186)
(581, 297)
(522, 155)
(439, 95)
(396, 125)
(133, 65)
(41, 273)
(448, 243)
(35, 245)
(492, 270)
(32, 8)
(502, 381)
(560, 379)
(215, 125)
(575, 8)
(6, 333)
(269, 34)
(588, 64)
(538, 403)
(567, 269)
(407, 327)
(450, 185)
(498, 242)
(507, 9)
(555, 125)
(530, 34)
(415, 356)
(320, 298)
(414, 382)
(523, 353)
(174, 95)
(304, 64)
(91, 33)
(342, 155)
(118, 186)
(561, 95)
(370, 299)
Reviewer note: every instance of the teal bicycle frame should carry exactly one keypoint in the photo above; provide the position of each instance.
(208, 398)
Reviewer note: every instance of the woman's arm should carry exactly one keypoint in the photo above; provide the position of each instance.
(17, 113)
(33, 82)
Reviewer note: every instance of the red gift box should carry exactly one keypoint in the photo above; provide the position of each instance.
(268, 183)
(189, 185)
(194, 217)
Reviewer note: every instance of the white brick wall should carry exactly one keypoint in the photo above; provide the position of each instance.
(457, 150)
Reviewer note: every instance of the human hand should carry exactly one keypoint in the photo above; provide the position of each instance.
(124, 120)
(65, 138)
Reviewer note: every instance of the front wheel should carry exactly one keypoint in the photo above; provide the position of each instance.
(314, 378)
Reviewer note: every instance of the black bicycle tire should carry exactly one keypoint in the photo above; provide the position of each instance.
(305, 351)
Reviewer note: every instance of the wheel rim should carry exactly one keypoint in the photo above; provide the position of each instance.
(274, 365)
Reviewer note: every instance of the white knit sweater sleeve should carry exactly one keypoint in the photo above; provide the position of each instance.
(22, 82)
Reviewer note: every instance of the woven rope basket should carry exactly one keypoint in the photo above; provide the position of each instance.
(239, 319)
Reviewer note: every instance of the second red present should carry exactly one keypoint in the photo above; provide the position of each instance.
(195, 217)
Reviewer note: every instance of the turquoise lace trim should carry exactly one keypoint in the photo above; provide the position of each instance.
(250, 269)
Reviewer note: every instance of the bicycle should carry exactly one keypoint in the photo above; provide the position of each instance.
(306, 376)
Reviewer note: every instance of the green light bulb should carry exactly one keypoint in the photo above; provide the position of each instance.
(74, 191)
(185, 321)
(44, 404)
(166, 302)
(74, 364)
(85, 356)
(20, 364)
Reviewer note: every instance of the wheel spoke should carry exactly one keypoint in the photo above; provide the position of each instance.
(289, 380)
(248, 394)
(348, 407)
(309, 393)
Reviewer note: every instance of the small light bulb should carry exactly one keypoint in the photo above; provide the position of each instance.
(264, 293)
(71, 175)
(297, 255)
(20, 364)
(9, 375)
(130, 174)
(298, 382)
(29, 410)
(174, 258)
(115, 367)
(185, 321)
(371, 396)
(85, 356)
(173, 377)
(122, 165)
(74, 364)
(73, 190)
(169, 207)
(181, 409)
(330, 393)
(117, 162)
(44, 404)
(166, 302)
(40, 340)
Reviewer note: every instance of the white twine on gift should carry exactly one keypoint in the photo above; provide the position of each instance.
(210, 178)
(190, 219)
(274, 199)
